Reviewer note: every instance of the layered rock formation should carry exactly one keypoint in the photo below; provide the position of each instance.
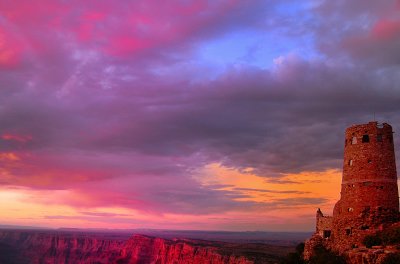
(141, 249)
(47, 247)
(44, 247)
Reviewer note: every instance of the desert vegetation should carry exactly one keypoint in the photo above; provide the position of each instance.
(390, 236)
(321, 256)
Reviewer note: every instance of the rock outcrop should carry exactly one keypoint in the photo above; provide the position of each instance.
(36, 247)
(140, 249)
(364, 255)
(45, 248)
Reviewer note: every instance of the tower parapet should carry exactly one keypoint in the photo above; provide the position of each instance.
(324, 224)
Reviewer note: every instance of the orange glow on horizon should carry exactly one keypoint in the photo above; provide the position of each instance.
(284, 203)
(9, 156)
(324, 185)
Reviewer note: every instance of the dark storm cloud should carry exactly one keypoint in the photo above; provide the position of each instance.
(261, 119)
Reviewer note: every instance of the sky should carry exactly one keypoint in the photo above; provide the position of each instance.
(179, 114)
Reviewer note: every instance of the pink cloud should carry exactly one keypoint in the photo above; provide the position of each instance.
(386, 30)
(16, 137)
(368, 46)
(366, 32)
(8, 156)
(10, 49)
(113, 27)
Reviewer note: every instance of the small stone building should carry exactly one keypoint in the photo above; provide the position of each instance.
(369, 194)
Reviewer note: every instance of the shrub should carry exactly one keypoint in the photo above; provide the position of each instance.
(295, 257)
(300, 248)
(324, 256)
(372, 240)
(389, 236)
(392, 259)
(292, 258)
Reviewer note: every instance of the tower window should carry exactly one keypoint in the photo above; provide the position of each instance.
(379, 138)
(365, 139)
(348, 231)
(327, 233)
(350, 209)
(351, 162)
(354, 140)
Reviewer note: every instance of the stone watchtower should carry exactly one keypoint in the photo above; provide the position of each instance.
(369, 194)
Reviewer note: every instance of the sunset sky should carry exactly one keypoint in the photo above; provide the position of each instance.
(179, 114)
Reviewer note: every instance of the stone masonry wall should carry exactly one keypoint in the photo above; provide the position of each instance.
(324, 224)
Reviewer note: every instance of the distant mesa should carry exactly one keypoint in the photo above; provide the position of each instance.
(369, 202)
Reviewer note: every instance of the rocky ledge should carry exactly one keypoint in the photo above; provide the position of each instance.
(374, 255)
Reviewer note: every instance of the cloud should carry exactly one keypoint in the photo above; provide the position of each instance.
(384, 35)
(300, 201)
(267, 191)
(111, 103)
(289, 119)
(365, 31)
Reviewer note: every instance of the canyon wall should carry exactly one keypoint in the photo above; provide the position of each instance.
(43, 247)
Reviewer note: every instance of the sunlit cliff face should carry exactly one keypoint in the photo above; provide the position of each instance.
(187, 114)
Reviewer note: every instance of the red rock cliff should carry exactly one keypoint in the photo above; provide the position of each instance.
(140, 249)
(45, 248)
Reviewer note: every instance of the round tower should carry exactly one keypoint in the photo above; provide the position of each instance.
(369, 193)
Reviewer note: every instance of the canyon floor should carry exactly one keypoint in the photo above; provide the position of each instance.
(34, 246)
